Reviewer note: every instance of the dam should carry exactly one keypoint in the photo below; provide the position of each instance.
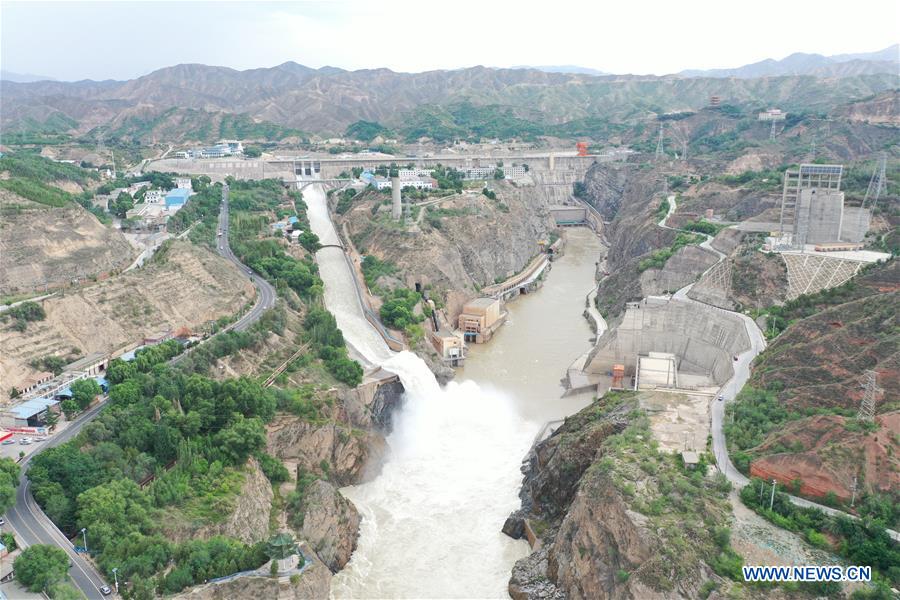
(432, 516)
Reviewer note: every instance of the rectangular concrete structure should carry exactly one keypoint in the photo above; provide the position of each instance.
(819, 216)
(702, 339)
(480, 318)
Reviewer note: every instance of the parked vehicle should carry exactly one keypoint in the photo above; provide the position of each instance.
(8, 442)
(104, 589)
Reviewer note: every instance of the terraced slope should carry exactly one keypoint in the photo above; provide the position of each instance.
(188, 288)
(44, 247)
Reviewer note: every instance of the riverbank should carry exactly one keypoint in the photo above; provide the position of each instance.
(455, 452)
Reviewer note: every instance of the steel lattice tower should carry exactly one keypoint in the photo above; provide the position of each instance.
(659, 144)
(867, 407)
(876, 184)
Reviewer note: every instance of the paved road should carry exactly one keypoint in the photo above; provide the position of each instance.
(733, 386)
(27, 519)
(266, 297)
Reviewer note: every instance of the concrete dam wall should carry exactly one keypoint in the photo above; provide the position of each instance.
(703, 339)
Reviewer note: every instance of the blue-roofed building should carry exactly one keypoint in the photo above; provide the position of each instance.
(103, 383)
(29, 413)
(367, 177)
(177, 197)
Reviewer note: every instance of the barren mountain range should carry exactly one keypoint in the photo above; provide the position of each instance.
(328, 99)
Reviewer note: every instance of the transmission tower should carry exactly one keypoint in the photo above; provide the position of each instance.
(876, 184)
(774, 130)
(867, 407)
(659, 143)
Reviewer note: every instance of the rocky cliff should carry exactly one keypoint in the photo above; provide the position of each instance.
(249, 521)
(330, 524)
(609, 516)
(463, 243)
(346, 451)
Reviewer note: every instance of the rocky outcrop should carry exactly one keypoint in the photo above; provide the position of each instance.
(587, 499)
(330, 524)
(247, 521)
(683, 268)
(372, 404)
(348, 452)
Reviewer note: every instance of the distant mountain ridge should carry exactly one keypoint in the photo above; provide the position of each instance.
(839, 65)
(289, 98)
(22, 77)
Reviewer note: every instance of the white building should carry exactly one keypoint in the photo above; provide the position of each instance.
(515, 172)
(480, 172)
(419, 184)
(773, 114)
(234, 146)
(414, 173)
(182, 154)
(381, 183)
(154, 196)
(183, 183)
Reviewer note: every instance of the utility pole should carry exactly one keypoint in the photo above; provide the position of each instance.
(772, 499)
(84, 533)
(853, 489)
(762, 489)
(116, 577)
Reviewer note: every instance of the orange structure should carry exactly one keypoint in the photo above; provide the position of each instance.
(582, 148)
(618, 377)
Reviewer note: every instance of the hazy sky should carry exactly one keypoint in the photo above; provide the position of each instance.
(121, 40)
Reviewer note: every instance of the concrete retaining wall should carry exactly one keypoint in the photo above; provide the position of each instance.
(703, 339)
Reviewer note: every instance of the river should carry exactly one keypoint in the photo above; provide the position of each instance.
(432, 518)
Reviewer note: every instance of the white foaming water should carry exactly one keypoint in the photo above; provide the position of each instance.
(432, 518)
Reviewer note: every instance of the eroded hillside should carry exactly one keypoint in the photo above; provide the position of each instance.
(46, 247)
(185, 286)
(797, 418)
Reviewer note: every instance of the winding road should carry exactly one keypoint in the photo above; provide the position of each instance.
(27, 519)
(733, 386)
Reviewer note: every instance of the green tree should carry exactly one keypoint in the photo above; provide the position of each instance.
(310, 241)
(64, 591)
(9, 480)
(40, 566)
(69, 408)
(122, 204)
(252, 151)
(84, 391)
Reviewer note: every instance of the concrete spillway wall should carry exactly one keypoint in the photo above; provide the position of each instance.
(704, 339)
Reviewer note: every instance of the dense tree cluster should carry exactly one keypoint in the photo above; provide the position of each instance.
(22, 314)
(191, 435)
(41, 566)
(323, 333)
(397, 310)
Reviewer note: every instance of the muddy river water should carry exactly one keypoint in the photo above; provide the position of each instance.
(432, 517)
